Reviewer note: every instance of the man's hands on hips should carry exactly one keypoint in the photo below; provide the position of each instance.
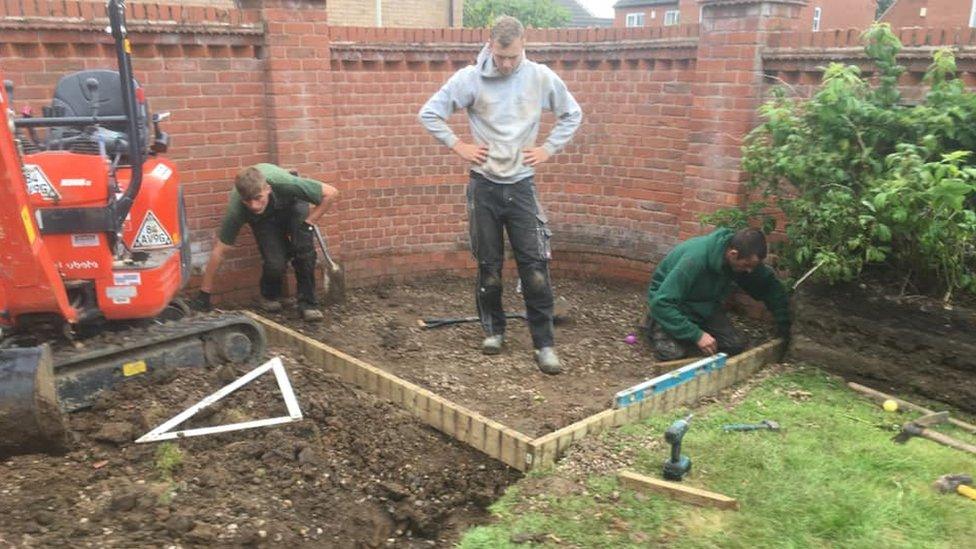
(707, 344)
(535, 156)
(476, 154)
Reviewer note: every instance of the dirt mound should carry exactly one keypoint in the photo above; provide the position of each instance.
(356, 471)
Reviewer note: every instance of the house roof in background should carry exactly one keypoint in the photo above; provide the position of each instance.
(579, 16)
(639, 3)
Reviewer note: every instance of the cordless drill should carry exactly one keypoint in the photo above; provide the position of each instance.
(678, 466)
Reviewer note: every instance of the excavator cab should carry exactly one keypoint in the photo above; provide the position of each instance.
(93, 229)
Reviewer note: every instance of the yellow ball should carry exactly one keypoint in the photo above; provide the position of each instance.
(890, 406)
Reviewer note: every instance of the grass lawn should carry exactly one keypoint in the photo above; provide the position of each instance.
(831, 478)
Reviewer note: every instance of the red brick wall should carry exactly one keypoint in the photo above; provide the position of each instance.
(938, 13)
(664, 113)
(617, 186)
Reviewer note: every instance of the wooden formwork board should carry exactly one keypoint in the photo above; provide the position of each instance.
(548, 448)
(492, 438)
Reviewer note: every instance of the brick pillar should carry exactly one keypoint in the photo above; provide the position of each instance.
(298, 86)
(725, 95)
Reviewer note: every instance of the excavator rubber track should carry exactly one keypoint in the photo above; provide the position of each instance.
(196, 341)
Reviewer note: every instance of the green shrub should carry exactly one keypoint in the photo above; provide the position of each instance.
(868, 183)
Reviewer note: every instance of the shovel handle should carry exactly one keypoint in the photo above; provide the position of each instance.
(948, 441)
(333, 266)
(878, 396)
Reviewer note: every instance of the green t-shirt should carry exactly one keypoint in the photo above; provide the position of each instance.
(284, 186)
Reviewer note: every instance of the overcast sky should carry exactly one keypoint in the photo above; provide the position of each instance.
(599, 8)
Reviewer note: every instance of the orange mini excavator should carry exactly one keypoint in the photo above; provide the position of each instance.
(93, 238)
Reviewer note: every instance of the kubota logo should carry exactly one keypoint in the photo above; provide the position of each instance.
(79, 265)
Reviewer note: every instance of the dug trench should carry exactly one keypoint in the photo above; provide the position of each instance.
(355, 472)
(905, 345)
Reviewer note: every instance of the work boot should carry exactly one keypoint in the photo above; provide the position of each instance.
(548, 361)
(492, 345)
(312, 315)
(270, 305)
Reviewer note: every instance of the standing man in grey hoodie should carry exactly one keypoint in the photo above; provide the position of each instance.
(504, 94)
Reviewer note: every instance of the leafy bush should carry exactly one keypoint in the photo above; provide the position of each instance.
(532, 13)
(866, 182)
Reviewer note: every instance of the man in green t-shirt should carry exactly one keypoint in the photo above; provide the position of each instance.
(275, 203)
(694, 279)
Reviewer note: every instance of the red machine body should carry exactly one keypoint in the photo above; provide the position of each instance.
(30, 282)
(154, 227)
(93, 228)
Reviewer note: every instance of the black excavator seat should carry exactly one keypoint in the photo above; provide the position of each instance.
(72, 97)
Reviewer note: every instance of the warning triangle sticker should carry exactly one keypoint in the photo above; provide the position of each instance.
(151, 233)
(166, 432)
(38, 183)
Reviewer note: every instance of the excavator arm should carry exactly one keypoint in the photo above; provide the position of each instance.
(30, 418)
(29, 280)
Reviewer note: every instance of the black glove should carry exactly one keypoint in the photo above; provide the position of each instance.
(201, 302)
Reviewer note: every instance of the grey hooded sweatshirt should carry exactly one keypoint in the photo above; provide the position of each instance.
(504, 112)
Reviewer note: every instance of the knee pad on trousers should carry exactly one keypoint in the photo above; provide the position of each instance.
(305, 257)
(274, 267)
(537, 280)
(490, 277)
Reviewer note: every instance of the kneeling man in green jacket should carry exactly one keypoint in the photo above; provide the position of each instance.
(692, 282)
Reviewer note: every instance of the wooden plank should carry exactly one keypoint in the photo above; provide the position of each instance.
(493, 442)
(672, 364)
(476, 436)
(449, 419)
(880, 397)
(508, 445)
(453, 419)
(676, 490)
(508, 449)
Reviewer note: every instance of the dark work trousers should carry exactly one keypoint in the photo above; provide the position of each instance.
(514, 208)
(281, 236)
(666, 347)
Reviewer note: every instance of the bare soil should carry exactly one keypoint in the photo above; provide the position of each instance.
(380, 325)
(908, 345)
(356, 472)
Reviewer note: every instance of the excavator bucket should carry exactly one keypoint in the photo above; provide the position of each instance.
(30, 418)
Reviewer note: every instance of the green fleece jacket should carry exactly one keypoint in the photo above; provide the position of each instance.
(693, 281)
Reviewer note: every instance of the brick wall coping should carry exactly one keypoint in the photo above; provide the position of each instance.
(857, 53)
(909, 36)
(584, 47)
(480, 36)
(98, 25)
(88, 11)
